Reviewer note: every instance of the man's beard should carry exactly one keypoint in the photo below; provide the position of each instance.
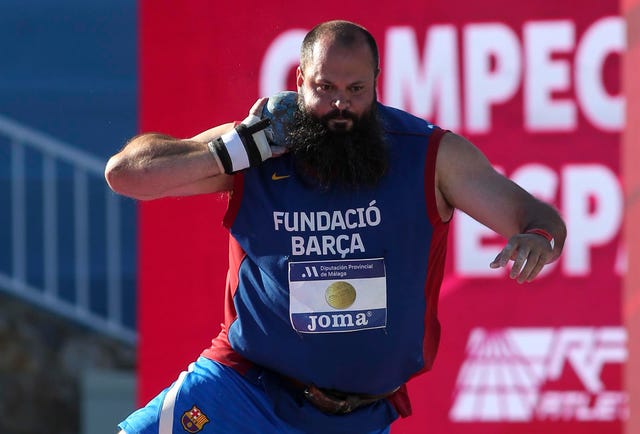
(338, 158)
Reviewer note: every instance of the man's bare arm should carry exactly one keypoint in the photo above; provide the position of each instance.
(466, 180)
(155, 165)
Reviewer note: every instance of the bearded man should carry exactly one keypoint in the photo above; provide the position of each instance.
(337, 248)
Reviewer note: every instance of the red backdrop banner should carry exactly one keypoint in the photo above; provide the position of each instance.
(535, 85)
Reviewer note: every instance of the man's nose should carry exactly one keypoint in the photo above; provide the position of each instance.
(341, 103)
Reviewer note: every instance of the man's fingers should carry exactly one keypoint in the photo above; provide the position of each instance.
(531, 269)
(519, 263)
(503, 257)
(536, 270)
(256, 108)
(529, 255)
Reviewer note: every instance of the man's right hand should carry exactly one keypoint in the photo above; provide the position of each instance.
(246, 145)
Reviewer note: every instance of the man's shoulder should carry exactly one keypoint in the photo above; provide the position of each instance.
(398, 121)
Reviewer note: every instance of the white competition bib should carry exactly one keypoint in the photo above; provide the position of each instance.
(337, 296)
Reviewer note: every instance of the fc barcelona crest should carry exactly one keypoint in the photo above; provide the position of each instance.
(193, 420)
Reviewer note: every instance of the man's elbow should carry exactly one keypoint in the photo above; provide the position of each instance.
(120, 177)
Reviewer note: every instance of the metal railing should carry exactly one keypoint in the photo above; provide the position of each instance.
(62, 231)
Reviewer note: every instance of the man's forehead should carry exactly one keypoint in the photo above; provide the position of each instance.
(329, 56)
(329, 45)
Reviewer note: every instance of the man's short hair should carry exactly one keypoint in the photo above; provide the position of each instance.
(344, 33)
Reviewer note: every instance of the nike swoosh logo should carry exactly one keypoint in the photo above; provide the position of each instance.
(276, 177)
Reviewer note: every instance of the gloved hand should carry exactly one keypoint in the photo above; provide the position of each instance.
(260, 136)
(243, 147)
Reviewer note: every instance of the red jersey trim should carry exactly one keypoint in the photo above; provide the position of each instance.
(235, 199)
(430, 175)
(220, 349)
(437, 255)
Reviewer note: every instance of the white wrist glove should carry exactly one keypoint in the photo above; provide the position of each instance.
(243, 147)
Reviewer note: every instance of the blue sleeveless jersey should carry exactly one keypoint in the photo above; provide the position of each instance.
(337, 288)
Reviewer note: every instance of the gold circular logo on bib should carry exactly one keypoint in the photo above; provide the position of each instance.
(340, 295)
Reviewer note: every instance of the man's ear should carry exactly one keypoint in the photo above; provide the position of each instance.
(299, 78)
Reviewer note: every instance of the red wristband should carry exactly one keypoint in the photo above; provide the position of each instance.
(542, 233)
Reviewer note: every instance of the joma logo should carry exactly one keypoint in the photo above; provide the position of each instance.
(337, 320)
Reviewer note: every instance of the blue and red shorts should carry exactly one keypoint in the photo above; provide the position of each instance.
(212, 398)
